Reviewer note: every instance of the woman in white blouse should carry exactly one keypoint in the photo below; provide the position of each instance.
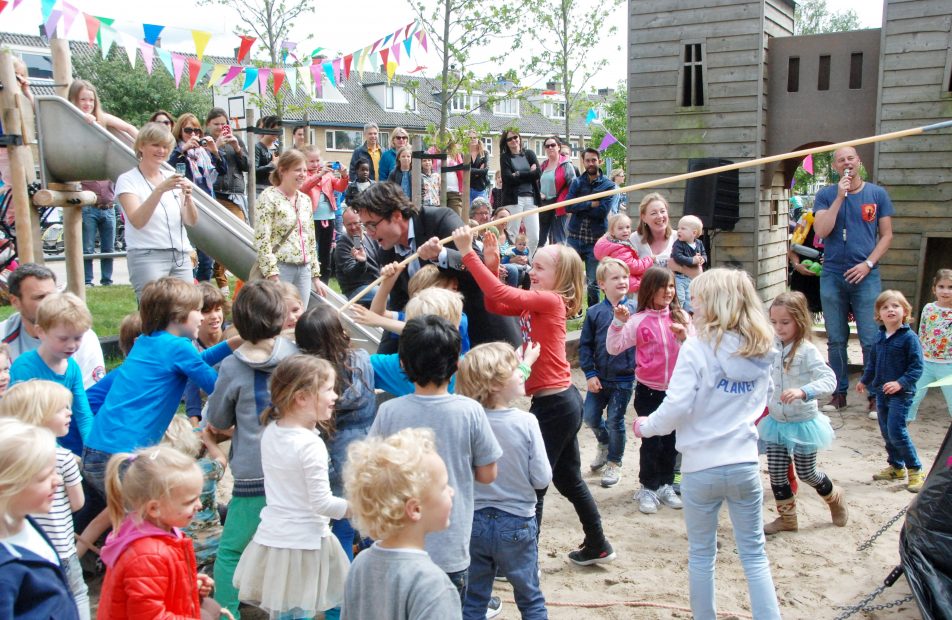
(158, 205)
(654, 236)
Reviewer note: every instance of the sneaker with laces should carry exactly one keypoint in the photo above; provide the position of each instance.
(917, 478)
(837, 402)
(494, 608)
(601, 457)
(611, 474)
(647, 501)
(891, 473)
(586, 556)
(873, 415)
(669, 498)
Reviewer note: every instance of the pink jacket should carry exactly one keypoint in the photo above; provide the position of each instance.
(656, 347)
(607, 246)
(314, 186)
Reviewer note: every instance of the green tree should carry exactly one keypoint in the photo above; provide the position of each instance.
(615, 120)
(814, 17)
(565, 32)
(133, 94)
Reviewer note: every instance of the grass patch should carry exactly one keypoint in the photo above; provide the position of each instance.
(107, 304)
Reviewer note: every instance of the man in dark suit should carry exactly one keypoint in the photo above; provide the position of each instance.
(400, 228)
(355, 259)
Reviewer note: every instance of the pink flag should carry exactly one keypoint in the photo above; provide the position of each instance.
(232, 74)
(178, 63)
(808, 163)
(607, 141)
(148, 55)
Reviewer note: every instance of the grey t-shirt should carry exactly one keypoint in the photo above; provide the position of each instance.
(398, 584)
(464, 440)
(523, 467)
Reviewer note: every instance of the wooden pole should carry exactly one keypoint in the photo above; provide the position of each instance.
(62, 66)
(915, 131)
(252, 143)
(13, 106)
(73, 239)
(416, 173)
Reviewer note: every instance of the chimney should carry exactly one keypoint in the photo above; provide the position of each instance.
(605, 92)
(551, 86)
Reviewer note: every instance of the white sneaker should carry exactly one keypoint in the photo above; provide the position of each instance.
(669, 498)
(611, 474)
(494, 608)
(647, 501)
(872, 415)
(601, 457)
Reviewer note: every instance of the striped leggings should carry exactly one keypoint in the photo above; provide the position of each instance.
(778, 460)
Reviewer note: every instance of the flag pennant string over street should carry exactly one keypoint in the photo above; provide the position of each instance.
(59, 17)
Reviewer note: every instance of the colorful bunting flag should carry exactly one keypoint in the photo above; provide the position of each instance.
(201, 39)
(51, 22)
(304, 75)
(148, 55)
(104, 21)
(384, 55)
(218, 72)
(245, 47)
(591, 116)
(194, 67)
(3, 5)
(178, 64)
(263, 74)
(336, 64)
(391, 70)
(395, 50)
(318, 80)
(233, 72)
(108, 36)
(46, 7)
(808, 163)
(607, 141)
(376, 43)
(278, 75)
(152, 33)
(251, 77)
(329, 72)
(407, 43)
(69, 16)
(166, 58)
(421, 37)
(92, 28)
(291, 75)
(129, 45)
(348, 59)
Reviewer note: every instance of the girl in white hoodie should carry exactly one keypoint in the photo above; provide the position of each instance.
(795, 426)
(720, 386)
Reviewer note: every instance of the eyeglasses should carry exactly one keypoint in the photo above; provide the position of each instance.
(371, 227)
(192, 130)
(401, 137)
(552, 145)
(512, 138)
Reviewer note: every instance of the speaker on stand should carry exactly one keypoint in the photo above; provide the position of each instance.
(714, 198)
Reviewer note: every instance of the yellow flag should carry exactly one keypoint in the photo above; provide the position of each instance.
(218, 72)
(391, 70)
(201, 39)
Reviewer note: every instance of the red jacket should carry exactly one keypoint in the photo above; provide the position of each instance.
(561, 183)
(314, 186)
(625, 253)
(150, 574)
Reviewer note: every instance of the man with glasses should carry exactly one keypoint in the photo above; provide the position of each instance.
(388, 161)
(369, 152)
(355, 259)
(400, 228)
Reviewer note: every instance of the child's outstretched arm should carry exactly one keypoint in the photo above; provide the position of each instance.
(378, 315)
(621, 332)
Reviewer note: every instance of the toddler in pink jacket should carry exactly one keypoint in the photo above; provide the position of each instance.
(616, 244)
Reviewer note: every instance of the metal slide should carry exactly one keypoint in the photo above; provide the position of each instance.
(71, 149)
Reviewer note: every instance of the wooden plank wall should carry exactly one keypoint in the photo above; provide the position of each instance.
(915, 74)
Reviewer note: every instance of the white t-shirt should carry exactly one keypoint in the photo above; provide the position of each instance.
(452, 182)
(30, 539)
(643, 249)
(165, 229)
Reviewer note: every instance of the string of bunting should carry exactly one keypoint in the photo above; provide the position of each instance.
(307, 74)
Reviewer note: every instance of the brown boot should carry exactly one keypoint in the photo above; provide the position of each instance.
(787, 521)
(837, 503)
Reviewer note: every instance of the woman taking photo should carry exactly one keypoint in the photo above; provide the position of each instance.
(520, 185)
(158, 205)
(202, 164)
(478, 170)
(557, 174)
(284, 235)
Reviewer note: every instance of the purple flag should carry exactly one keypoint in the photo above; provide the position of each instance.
(607, 141)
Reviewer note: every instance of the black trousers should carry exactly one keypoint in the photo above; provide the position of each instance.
(560, 418)
(657, 454)
(325, 237)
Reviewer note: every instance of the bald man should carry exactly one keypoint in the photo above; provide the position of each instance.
(355, 259)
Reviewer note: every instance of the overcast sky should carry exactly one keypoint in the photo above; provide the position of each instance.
(332, 26)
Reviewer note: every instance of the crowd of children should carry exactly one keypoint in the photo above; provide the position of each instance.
(448, 478)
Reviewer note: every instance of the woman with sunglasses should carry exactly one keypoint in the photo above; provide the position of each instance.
(557, 175)
(203, 165)
(520, 185)
(163, 118)
(388, 159)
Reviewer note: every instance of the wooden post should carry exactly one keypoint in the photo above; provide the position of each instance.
(416, 172)
(62, 65)
(464, 194)
(252, 143)
(73, 237)
(13, 107)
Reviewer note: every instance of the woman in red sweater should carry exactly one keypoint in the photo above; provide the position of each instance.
(555, 292)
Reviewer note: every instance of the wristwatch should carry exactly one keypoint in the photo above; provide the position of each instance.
(870, 263)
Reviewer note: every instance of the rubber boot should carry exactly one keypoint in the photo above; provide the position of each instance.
(837, 503)
(787, 521)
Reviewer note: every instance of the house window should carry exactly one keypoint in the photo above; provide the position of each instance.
(389, 97)
(856, 70)
(823, 74)
(411, 100)
(506, 107)
(574, 146)
(38, 66)
(488, 143)
(554, 109)
(793, 74)
(461, 103)
(344, 140)
(538, 146)
(692, 76)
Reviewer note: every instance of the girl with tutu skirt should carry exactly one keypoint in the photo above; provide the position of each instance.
(294, 567)
(795, 425)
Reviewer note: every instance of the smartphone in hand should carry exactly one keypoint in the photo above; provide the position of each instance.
(180, 169)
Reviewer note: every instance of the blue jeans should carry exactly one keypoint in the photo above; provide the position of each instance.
(205, 267)
(892, 410)
(514, 273)
(609, 430)
(681, 284)
(460, 580)
(838, 297)
(931, 371)
(587, 252)
(507, 544)
(703, 492)
(367, 299)
(475, 193)
(94, 468)
(103, 222)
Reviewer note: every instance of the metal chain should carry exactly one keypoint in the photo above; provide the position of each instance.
(869, 543)
(864, 606)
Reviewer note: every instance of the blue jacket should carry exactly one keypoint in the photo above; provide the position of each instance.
(894, 358)
(388, 162)
(594, 358)
(31, 588)
(583, 186)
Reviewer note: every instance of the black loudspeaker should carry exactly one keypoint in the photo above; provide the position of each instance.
(715, 198)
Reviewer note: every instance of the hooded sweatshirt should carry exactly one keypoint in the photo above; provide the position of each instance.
(713, 401)
(656, 348)
(241, 393)
(150, 573)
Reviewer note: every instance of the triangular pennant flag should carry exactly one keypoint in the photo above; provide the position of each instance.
(376, 43)
(407, 43)
(364, 57)
(194, 68)
(348, 59)
(201, 39)
(50, 26)
(104, 21)
(218, 71)
(92, 28)
(233, 72)
(251, 77)
(386, 38)
(329, 72)
(590, 116)
(396, 53)
(607, 141)
(178, 64)
(204, 69)
(3, 5)
(336, 65)
(129, 44)
(318, 79)
(108, 37)
(316, 51)
(245, 47)
(148, 55)
(16, 3)
(263, 74)
(152, 33)
(46, 7)
(304, 75)
(808, 163)
(391, 70)
(166, 57)
(278, 74)
(384, 56)
(290, 73)
(406, 32)
(421, 37)
(69, 16)
(396, 36)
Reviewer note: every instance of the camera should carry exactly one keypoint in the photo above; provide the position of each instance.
(335, 165)
(203, 141)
